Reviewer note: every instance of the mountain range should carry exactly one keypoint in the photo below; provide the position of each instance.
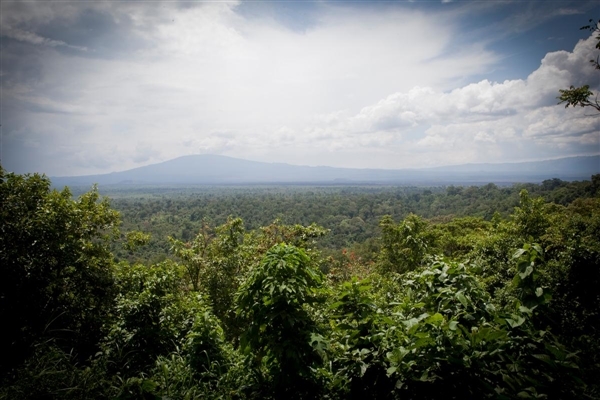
(222, 170)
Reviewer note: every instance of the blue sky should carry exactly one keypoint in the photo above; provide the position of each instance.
(95, 87)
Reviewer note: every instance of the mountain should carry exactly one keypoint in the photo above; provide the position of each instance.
(215, 169)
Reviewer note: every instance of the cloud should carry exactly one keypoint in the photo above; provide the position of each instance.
(145, 152)
(476, 116)
(358, 86)
(32, 38)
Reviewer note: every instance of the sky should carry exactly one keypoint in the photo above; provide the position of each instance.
(91, 87)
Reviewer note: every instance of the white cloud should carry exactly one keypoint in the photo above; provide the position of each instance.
(358, 88)
(30, 37)
(506, 115)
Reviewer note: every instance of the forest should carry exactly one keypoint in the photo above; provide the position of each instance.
(300, 292)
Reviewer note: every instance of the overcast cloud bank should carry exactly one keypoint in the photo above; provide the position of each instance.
(99, 87)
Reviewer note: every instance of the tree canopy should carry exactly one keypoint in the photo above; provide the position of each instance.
(497, 305)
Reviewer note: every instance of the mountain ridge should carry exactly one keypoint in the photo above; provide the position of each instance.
(217, 169)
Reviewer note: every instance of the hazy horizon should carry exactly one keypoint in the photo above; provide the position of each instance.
(329, 166)
(99, 87)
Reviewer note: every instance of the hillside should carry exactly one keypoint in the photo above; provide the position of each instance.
(216, 169)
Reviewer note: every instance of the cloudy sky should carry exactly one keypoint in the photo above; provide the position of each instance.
(94, 87)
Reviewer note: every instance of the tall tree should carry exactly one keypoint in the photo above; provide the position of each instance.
(57, 271)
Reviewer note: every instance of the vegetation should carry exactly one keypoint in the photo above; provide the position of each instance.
(581, 96)
(351, 214)
(457, 292)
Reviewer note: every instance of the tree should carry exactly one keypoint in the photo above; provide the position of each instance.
(152, 316)
(272, 299)
(57, 271)
(581, 96)
(194, 254)
(404, 245)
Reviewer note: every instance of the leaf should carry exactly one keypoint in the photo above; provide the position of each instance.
(410, 323)
(337, 304)
(556, 352)
(425, 376)
(489, 307)
(452, 325)
(545, 358)
(491, 335)
(461, 297)
(527, 272)
(514, 323)
(435, 319)
(525, 310)
(519, 253)
(363, 369)
(539, 291)
(524, 395)
(424, 341)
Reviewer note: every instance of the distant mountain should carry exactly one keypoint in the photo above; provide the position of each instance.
(218, 170)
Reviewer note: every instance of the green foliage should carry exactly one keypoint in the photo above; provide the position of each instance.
(152, 317)
(578, 97)
(214, 263)
(350, 214)
(296, 235)
(206, 367)
(458, 237)
(56, 267)
(572, 271)
(279, 332)
(467, 333)
(135, 239)
(405, 245)
(206, 343)
(530, 218)
(509, 312)
(194, 254)
(581, 96)
(526, 281)
(52, 373)
(442, 337)
(356, 348)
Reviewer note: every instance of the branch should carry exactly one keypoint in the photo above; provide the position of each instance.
(578, 97)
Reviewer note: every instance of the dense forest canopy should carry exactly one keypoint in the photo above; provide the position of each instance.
(312, 292)
(350, 213)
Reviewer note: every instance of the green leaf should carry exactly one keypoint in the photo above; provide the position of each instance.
(545, 358)
(525, 310)
(435, 319)
(519, 253)
(516, 322)
(337, 304)
(461, 297)
(527, 272)
(410, 323)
